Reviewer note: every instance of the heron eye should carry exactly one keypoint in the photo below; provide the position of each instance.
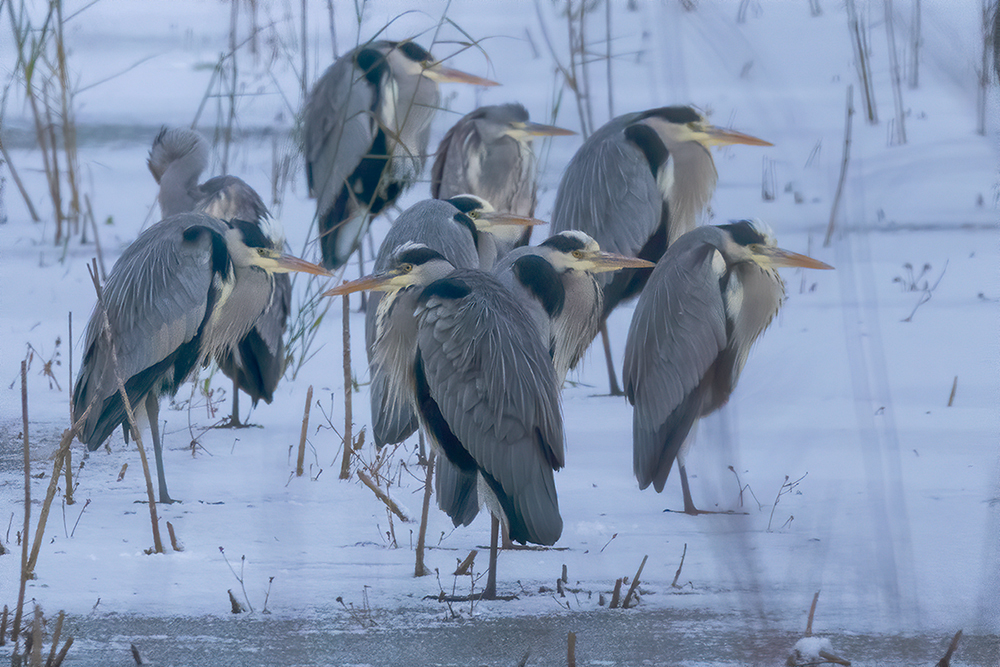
(407, 268)
(578, 254)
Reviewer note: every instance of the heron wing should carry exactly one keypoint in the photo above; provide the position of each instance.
(678, 331)
(338, 129)
(450, 163)
(158, 299)
(456, 491)
(482, 367)
(609, 192)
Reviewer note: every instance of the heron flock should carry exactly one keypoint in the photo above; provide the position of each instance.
(470, 332)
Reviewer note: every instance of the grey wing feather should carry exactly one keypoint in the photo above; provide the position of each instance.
(449, 163)
(337, 129)
(678, 331)
(491, 377)
(609, 182)
(456, 491)
(156, 298)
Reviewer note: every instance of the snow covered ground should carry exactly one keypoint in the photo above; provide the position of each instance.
(896, 513)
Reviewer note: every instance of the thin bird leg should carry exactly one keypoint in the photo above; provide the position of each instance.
(153, 414)
(234, 420)
(689, 507)
(612, 375)
(490, 593)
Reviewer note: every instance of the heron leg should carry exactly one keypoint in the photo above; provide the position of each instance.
(153, 414)
(615, 390)
(490, 592)
(689, 507)
(234, 420)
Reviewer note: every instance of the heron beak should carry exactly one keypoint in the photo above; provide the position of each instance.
(530, 129)
(778, 257)
(382, 282)
(281, 263)
(439, 74)
(716, 136)
(601, 262)
(495, 218)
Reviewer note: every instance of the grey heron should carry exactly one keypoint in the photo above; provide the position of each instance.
(188, 288)
(488, 153)
(486, 394)
(636, 185)
(177, 159)
(365, 130)
(463, 230)
(709, 298)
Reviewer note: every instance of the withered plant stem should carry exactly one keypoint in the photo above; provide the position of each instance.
(345, 463)
(677, 575)
(300, 463)
(133, 425)
(381, 495)
(616, 594)
(635, 582)
(419, 569)
(571, 649)
(812, 614)
(16, 629)
(843, 166)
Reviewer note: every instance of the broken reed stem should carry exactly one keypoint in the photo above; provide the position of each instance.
(635, 583)
(463, 567)
(419, 569)
(62, 654)
(945, 661)
(616, 594)
(345, 463)
(106, 328)
(381, 495)
(68, 462)
(50, 494)
(35, 657)
(55, 637)
(954, 388)
(174, 544)
(571, 649)
(97, 237)
(3, 626)
(677, 575)
(20, 186)
(16, 628)
(812, 613)
(302, 437)
(843, 165)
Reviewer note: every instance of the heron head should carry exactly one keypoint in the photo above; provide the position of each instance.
(688, 124)
(576, 251)
(483, 215)
(753, 240)
(411, 264)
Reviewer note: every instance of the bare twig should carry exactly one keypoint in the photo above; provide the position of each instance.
(635, 583)
(133, 425)
(464, 567)
(302, 437)
(954, 387)
(420, 569)
(27, 505)
(899, 126)
(174, 544)
(571, 649)
(945, 661)
(381, 495)
(812, 613)
(677, 575)
(345, 463)
(843, 166)
(17, 181)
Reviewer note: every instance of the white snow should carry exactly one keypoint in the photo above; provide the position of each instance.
(896, 512)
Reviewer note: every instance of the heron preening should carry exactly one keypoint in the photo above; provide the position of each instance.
(366, 126)
(709, 298)
(484, 387)
(488, 153)
(636, 185)
(465, 231)
(177, 159)
(189, 288)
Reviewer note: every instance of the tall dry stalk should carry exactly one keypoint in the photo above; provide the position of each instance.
(861, 61)
(899, 127)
